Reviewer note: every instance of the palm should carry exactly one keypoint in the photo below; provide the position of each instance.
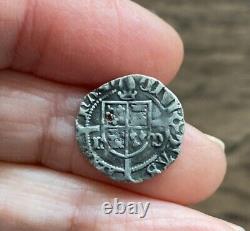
(45, 184)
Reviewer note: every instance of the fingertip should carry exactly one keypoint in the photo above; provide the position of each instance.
(194, 176)
(208, 163)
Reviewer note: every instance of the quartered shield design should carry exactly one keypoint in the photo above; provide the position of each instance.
(126, 126)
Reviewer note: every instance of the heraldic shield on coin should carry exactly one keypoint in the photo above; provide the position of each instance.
(130, 128)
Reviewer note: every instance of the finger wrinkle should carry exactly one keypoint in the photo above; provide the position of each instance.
(27, 5)
(57, 134)
(36, 125)
(33, 34)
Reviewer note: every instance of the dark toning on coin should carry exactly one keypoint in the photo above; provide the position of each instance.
(130, 128)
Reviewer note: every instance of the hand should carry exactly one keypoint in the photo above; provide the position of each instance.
(51, 53)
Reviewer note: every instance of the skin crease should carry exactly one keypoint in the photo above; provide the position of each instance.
(75, 45)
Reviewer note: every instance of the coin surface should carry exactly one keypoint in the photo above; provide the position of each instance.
(130, 128)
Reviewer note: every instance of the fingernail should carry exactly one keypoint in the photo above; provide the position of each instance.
(217, 141)
(236, 227)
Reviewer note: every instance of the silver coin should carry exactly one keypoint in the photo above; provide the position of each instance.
(130, 128)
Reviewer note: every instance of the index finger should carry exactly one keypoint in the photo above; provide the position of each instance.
(86, 42)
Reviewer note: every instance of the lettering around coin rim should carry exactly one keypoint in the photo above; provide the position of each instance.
(130, 128)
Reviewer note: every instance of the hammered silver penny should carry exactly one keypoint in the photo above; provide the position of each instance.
(130, 128)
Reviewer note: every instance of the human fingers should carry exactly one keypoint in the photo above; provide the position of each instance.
(37, 126)
(86, 42)
(34, 198)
